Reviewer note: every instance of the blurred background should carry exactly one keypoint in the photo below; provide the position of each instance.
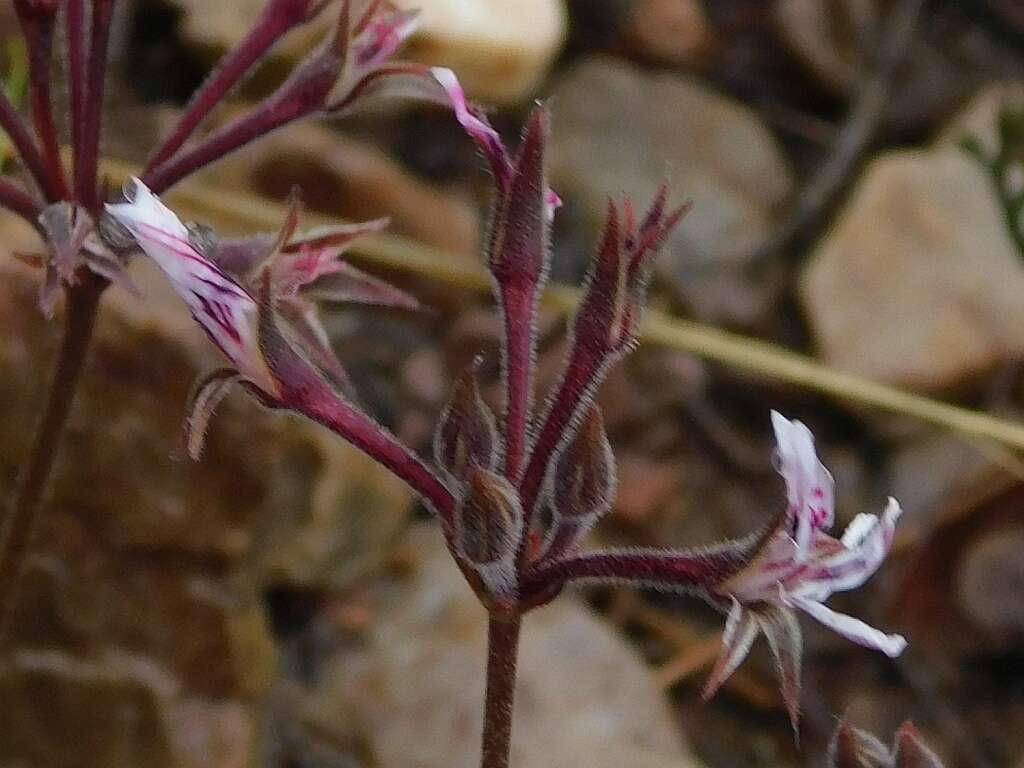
(857, 172)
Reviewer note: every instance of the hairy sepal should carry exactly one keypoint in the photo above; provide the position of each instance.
(207, 393)
(466, 437)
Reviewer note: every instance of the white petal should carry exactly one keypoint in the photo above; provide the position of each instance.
(809, 485)
(858, 529)
(219, 304)
(850, 628)
(866, 547)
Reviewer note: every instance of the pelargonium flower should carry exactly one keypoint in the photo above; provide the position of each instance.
(762, 580)
(799, 566)
(229, 284)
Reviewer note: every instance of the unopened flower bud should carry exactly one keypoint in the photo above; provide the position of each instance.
(488, 518)
(466, 435)
(910, 751)
(583, 482)
(854, 748)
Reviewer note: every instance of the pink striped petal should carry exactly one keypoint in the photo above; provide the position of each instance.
(219, 304)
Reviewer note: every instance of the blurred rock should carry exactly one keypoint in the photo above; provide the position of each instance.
(918, 283)
(411, 694)
(929, 471)
(671, 32)
(116, 710)
(501, 50)
(345, 177)
(991, 581)
(980, 116)
(951, 56)
(620, 131)
(644, 485)
(146, 561)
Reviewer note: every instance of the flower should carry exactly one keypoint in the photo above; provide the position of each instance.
(222, 307)
(230, 287)
(799, 566)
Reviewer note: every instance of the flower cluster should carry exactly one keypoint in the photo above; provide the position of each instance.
(353, 63)
(517, 491)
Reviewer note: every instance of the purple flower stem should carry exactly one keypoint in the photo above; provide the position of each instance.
(87, 158)
(502, 656)
(312, 397)
(277, 19)
(44, 165)
(271, 115)
(652, 568)
(518, 308)
(77, 79)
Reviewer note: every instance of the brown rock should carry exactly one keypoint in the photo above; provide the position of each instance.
(500, 50)
(673, 32)
(929, 471)
(114, 710)
(145, 561)
(991, 581)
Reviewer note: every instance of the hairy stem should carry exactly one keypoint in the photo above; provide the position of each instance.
(502, 655)
(272, 25)
(18, 523)
(518, 310)
(360, 430)
(657, 569)
(304, 390)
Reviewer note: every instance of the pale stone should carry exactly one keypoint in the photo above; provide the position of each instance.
(918, 283)
(411, 693)
(501, 49)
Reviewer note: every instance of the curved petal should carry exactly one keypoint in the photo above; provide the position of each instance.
(866, 543)
(849, 627)
(809, 486)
